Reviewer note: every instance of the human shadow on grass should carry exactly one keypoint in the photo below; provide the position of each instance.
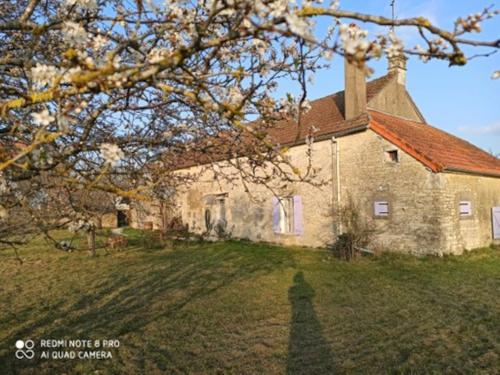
(154, 291)
(308, 350)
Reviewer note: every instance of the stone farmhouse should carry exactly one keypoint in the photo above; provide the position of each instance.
(423, 190)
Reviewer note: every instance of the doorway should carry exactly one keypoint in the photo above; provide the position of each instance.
(122, 218)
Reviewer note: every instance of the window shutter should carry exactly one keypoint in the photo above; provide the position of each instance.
(381, 208)
(465, 208)
(496, 222)
(297, 215)
(276, 215)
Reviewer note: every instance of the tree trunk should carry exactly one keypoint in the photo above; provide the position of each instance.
(91, 241)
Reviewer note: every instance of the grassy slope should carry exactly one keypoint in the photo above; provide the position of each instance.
(245, 308)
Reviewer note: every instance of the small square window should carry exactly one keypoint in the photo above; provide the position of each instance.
(392, 156)
(381, 208)
(465, 208)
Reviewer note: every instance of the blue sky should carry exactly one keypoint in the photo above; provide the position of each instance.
(463, 101)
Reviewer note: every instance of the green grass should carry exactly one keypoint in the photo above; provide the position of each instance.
(248, 308)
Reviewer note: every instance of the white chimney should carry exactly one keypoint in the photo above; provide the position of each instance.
(397, 66)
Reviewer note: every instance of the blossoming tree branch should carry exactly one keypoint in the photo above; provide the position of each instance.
(104, 98)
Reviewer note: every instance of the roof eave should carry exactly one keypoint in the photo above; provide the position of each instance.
(471, 171)
(326, 136)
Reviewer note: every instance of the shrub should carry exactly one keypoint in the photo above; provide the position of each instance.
(357, 232)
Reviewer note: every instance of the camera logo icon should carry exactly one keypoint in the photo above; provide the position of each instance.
(25, 349)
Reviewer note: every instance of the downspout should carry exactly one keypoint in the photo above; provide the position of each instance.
(336, 183)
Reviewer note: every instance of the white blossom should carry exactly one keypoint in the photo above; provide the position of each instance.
(305, 106)
(74, 33)
(235, 97)
(327, 54)
(334, 5)
(297, 25)
(422, 53)
(277, 8)
(353, 39)
(43, 118)
(99, 42)
(157, 54)
(78, 225)
(309, 140)
(111, 153)
(117, 79)
(63, 123)
(396, 46)
(116, 62)
(121, 205)
(260, 46)
(43, 75)
(84, 4)
(70, 74)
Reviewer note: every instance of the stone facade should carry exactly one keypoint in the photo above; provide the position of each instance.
(395, 99)
(412, 192)
(423, 206)
(249, 214)
(468, 232)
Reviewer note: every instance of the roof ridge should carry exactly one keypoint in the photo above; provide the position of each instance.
(385, 76)
(394, 115)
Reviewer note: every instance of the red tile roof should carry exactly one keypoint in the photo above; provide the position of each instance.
(434, 148)
(326, 115)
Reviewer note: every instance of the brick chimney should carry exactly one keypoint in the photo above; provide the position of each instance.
(397, 66)
(355, 89)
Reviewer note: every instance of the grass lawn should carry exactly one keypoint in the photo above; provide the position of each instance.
(246, 308)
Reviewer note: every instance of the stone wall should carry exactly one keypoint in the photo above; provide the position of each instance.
(249, 214)
(366, 175)
(476, 230)
(109, 220)
(395, 99)
(423, 213)
(413, 192)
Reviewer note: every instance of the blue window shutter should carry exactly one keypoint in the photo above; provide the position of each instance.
(496, 222)
(276, 215)
(298, 225)
(381, 208)
(465, 208)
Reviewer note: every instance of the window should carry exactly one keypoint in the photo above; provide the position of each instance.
(215, 210)
(381, 208)
(392, 156)
(465, 208)
(287, 215)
